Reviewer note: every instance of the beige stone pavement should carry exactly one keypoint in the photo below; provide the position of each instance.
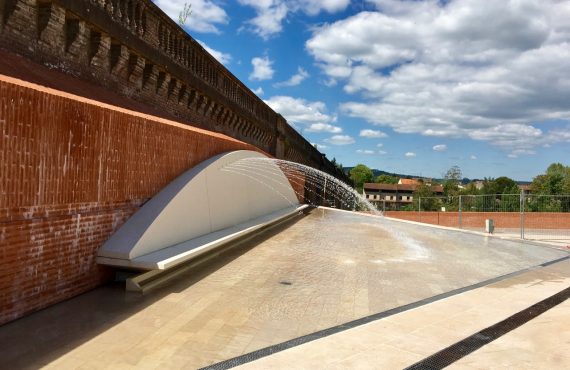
(325, 269)
(401, 340)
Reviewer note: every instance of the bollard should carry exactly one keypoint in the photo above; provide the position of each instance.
(489, 226)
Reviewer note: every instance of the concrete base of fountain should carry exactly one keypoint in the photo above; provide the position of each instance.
(172, 256)
(205, 208)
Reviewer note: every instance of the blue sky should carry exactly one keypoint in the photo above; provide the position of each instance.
(409, 86)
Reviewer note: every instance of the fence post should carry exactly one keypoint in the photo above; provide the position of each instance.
(419, 209)
(460, 220)
(521, 208)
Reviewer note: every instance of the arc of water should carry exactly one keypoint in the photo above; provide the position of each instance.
(291, 176)
(314, 177)
(294, 176)
(297, 173)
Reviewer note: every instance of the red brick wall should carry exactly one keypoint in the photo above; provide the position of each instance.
(71, 172)
(145, 58)
(532, 220)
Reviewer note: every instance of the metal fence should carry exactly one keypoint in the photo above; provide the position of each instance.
(528, 216)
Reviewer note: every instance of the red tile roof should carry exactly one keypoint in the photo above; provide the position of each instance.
(408, 182)
(396, 187)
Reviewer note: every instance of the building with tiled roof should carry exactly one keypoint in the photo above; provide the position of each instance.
(394, 196)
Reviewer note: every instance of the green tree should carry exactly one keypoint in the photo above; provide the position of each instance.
(336, 164)
(427, 196)
(556, 180)
(489, 186)
(503, 183)
(470, 189)
(451, 180)
(359, 175)
(386, 179)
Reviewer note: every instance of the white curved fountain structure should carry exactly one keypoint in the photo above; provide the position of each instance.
(204, 208)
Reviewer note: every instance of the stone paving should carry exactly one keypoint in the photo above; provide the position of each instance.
(404, 339)
(325, 269)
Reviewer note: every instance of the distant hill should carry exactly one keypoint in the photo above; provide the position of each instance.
(465, 180)
(380, 172)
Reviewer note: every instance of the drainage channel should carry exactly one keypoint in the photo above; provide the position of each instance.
(472, 343)
(268, 351)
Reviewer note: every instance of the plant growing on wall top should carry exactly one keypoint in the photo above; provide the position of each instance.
(184, 14)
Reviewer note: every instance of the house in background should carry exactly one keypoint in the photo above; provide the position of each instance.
(525, 189)
(395, 196)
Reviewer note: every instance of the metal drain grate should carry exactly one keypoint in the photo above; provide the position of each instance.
(470, 344)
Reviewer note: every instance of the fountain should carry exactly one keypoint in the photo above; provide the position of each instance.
(224, 199)
(321, 188)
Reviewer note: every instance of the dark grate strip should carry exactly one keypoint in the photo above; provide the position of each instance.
(267, 351)
(470, 344)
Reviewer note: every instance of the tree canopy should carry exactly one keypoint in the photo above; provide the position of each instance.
(386, 179)
(426, 194)
(556, 180)
(361, 174)
(451, 180)
(505, 185)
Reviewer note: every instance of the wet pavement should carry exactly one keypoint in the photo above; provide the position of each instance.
(324, 269)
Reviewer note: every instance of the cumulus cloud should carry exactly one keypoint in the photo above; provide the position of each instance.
(410, 154)
(440, 148)
(270, 14)
(340, 140)
(454, 69)
(295, 80)
(382, 152)
(262, 69)
(473, 157)
(312, 116)
(319, 146)
(365, 151)
(323, 127)
(222, 57)
(206, 15)
(258, 91)
(372, 134)
(380, 145)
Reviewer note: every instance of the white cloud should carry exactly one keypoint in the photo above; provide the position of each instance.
(372, 134)
(382, 152)
(258, 91)
(440, 148)
(222, 57)
(340, 140)
(455, 69)
(312, 116)
(410, 154)
(323, 127)
(295, 80)
(379, 145)
(262, 69)
(270, 14)
(519, 152)
(320, 146)
(330, 82)
(365, 151)
(206, 15)
(473, 157)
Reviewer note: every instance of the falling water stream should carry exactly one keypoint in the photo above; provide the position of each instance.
(319, 188)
